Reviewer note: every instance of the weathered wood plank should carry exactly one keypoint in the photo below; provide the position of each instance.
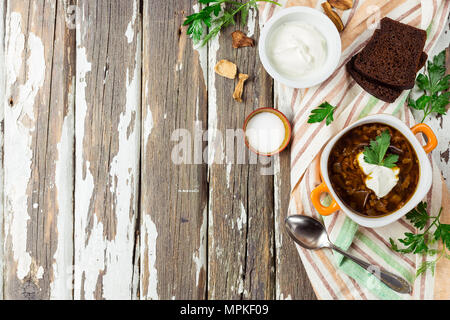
(292, 281)
(174, 189)
(2, 124)
(108, 84)
(38, 151)
(241, 204)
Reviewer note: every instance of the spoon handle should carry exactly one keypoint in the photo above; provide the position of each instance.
(393, 281)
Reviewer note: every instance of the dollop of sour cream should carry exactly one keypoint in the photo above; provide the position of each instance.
(296, 49)
(380, 179)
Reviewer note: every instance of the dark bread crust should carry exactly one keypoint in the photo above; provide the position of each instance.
(390, 54)
(423, 59)
(379, 91)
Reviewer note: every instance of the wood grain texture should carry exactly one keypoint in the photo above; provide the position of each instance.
(291, 279)
(292, 282)
(38, 151)
(241, 205)
(105, 187)
(2, 125)
(108, 85)
(174, 188)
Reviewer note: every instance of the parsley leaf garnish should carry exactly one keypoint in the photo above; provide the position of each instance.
(208, 17)
(434, 84)
(418, 216)
(376, 151)
(420, 243)
(324, 111)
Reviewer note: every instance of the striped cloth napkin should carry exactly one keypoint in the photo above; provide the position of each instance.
(333, 277)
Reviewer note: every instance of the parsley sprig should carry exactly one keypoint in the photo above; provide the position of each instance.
(375, 153)
(322, 112)
(420, 243)
(208, 17)
(434, 84)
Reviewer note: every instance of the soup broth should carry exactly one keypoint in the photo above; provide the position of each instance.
(348, 180)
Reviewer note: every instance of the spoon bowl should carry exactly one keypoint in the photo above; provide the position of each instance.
(307, 232)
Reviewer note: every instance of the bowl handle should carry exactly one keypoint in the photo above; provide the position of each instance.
(315, 197)
(431, 137)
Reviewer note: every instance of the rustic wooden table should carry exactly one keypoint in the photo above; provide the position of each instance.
(93, 204)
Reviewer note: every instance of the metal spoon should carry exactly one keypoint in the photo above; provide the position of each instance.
(311, 234)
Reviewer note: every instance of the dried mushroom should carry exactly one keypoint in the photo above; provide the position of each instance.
(241, 40)
(237, 94)
(226, 69)
(333, 16)
(341, 4)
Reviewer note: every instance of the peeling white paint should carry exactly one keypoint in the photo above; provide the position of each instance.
(240, 288)
(124, 171)
(202, 52)
(90, 259)
(229, 165)
(87, 257)
(14, 43)
(3, 97)
(280, 296)
(212, 98)
(277, 202)
(208, 59)
(129, 33)
(251, 21)
(210, 219)
(199, 256)
(242, 220)
(19, 125)
(188, 190)
(40, 273)
(148, 121)
(136, 270)
(98, 256)
(61, 287)
(150, 235)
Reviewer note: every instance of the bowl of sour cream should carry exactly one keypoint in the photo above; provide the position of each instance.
(267, 131)
(300, 47)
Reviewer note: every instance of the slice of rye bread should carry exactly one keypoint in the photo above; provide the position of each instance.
(379, 91)
(392, 54)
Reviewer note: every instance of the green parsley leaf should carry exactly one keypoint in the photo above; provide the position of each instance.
(199, 23)
(425, 266)
(390, 160)
(414, 243)
(376, 151)
(434, 84)
(420, 243)
(422, 102)
(196, 29)
(419, 216)
(440, 102)
(322, 112)
(422, 82)
(443, 232)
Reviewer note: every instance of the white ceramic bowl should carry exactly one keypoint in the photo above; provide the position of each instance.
(318, 20)
(423, 186)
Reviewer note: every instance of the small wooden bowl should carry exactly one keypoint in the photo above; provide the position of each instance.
(287, 130)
